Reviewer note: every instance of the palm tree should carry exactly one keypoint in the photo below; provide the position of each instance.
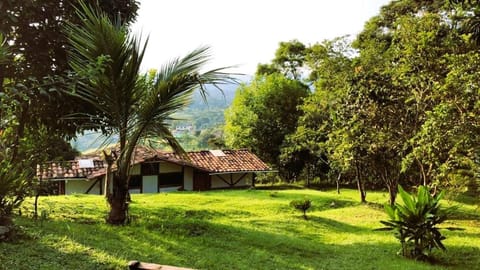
(133, 106)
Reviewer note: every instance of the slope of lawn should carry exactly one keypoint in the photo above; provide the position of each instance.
(240, 229)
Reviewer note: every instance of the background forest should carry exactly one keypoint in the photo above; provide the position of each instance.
(397, 104)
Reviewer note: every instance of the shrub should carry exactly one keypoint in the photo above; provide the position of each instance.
(13, 190)
(302, 205)
(415, 222)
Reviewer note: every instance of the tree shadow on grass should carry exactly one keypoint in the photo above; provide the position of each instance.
(33, 254)
(469, 199)
(199, 242)
(336, 226)
(464, 214)
(279, 187)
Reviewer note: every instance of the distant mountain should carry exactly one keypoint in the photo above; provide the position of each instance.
(217, 98)
(199, 114)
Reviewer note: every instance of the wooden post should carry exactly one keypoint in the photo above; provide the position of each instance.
(136, 265)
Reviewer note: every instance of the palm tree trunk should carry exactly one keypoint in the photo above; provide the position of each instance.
(118, 202)
(108, 175)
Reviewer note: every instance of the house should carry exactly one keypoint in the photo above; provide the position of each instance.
(155, 171)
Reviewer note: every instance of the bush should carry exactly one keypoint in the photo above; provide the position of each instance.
(13, 190)
(415, 222)
(302, 205)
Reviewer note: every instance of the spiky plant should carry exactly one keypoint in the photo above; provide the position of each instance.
(415, 222)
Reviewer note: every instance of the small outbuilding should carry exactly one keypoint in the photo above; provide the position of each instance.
(155, 171)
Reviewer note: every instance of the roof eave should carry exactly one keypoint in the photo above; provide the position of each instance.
(235, 172)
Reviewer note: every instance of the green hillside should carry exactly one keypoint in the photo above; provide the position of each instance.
(200, 115)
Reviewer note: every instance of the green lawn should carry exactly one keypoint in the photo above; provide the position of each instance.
(241, 229)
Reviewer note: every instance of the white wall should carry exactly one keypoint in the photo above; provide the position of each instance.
(169, 167)
(150, 184)
(217, 182)
(81, 186)
(188, 178)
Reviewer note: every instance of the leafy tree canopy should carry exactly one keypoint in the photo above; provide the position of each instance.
(263, 113)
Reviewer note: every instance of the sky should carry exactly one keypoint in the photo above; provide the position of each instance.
(244, 33)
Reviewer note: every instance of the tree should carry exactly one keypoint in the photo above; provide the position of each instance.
(34, 30)
(127, 103)
(469, 13)
(14, 184)
(13, 178)
(35, 71)
(17, 162)
(289, 60)
(329, 63)
(211, 138)
(447, 146)
(263, 113)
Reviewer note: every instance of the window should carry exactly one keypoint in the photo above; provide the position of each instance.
(135, 182)
(170, 179)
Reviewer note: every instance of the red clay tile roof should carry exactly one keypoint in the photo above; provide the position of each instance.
(228, 161)
(67, 169)
(232, 161)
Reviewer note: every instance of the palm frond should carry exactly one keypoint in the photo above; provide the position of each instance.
(108, 60)
(170, 92)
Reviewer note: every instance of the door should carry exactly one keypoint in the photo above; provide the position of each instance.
(201, 181)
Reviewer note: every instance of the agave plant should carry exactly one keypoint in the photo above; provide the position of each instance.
(415, 222)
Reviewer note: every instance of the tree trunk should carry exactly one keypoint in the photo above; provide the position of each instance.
(338, 183)
(118, 202)
(391, 183)
(360, 185)
(2, 77)
(308, 176)
(35, 213)
(392, 192)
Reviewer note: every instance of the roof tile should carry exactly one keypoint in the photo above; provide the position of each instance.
(233, 161)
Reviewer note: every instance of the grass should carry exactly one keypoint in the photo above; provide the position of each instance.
(239, 229)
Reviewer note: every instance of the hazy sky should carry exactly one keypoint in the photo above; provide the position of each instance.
(246, 32)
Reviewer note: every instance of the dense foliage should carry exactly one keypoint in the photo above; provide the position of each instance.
(34, 75)
(263, 113)
(35, 71)
(398, 105)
